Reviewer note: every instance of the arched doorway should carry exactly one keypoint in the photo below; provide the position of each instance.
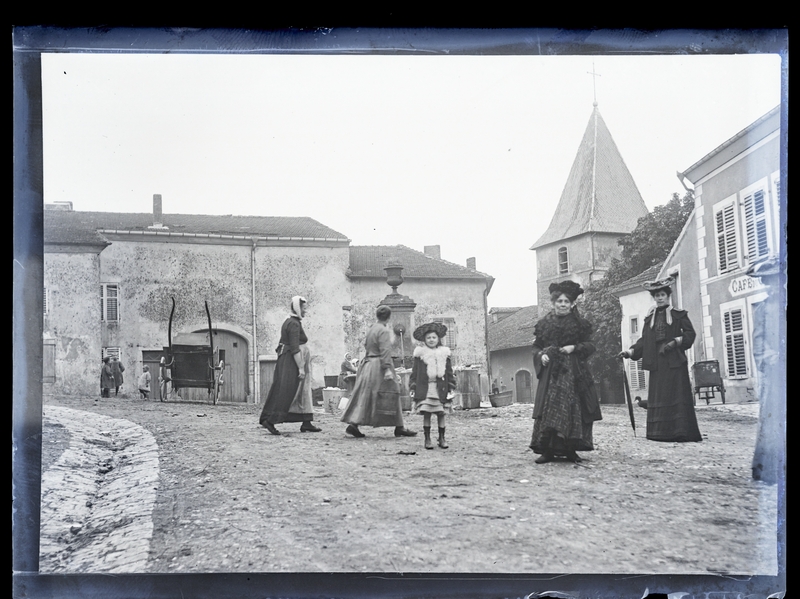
(523, 386)
(233, 349)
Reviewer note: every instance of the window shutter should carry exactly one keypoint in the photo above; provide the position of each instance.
(735, 353)
(726, 238)
(45, 300)
(755, 223)
(637, 375)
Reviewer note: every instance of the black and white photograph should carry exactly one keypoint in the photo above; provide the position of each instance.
(413, 312)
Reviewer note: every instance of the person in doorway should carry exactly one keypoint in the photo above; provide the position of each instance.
(433, 382)
(289, 398)
(117, 369)
(106, 378)
(566, 404)
(164, 377)
(376, 367)
(666, 335)
(144, 383)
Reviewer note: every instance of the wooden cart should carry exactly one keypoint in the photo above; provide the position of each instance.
(193, 360)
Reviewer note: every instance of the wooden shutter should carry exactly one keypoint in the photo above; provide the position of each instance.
(755, 226)
(727, 247)
(735, 350)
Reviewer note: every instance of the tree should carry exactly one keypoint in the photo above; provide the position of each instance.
(647, 245)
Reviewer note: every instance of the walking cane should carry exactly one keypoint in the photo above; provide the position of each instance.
(628, 396)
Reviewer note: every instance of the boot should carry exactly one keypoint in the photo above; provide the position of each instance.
(442, 442)
(544, 458)
(428, 442)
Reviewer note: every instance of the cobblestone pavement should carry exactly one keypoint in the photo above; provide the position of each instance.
(232, 498)
(98, 497)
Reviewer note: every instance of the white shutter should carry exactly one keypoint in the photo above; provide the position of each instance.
(727, 246)
(735, 349)
(109, 302)
(755, 226)
(637, 375)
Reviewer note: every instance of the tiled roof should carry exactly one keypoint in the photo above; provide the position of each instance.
(648, 275)
(65, 226)
(600, 195)
(515, 330)
(370, 260)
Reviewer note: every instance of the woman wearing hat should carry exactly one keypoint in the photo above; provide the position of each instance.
(666, 335)
(289, 398)
(376, 367)
(432, 379)
(566, 404)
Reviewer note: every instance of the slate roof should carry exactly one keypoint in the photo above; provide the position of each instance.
(600, 195)
(515, 330)
(651, 274)
(368, 261)
(75, 227)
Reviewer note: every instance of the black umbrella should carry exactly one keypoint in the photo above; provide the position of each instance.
(628, 397)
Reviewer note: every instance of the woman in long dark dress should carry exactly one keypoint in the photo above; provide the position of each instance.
(376, 367)
(566, 404)
(289, 398)
(666, 335)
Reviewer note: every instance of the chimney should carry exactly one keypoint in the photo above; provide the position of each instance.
(434, 251)
(158, 217)
(471, 263)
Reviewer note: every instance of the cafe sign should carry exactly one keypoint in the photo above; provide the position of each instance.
(744, 285)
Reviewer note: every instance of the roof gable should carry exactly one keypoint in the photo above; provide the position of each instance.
(600, 195)
(368, 261)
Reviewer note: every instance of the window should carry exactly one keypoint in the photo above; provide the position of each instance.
(755, 225)
(727, 242)
(563, 261)
(637, 375)
(634, 325)
(49, 361)
(111, 352)
(735, 340)
(109, 302)
(451, 338)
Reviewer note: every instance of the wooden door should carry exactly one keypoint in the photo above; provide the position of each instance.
(236, 388)
(523, 386)
(267, 373)
(152, 359)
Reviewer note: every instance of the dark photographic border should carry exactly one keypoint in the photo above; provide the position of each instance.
(29, 42)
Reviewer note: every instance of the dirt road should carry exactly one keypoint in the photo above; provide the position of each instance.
(232, 498)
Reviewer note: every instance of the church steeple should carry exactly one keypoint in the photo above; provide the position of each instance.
(600, 195)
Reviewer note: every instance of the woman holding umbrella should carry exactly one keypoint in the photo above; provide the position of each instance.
(666, 335)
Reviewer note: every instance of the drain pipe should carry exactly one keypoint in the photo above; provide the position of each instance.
(256, 365)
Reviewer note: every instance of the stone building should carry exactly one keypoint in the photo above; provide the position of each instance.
(599, 204)
(109, 280)
(511, 351)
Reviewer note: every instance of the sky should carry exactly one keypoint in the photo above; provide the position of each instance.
(470, 153)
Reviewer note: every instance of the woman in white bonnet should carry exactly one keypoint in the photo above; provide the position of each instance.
(289, 398)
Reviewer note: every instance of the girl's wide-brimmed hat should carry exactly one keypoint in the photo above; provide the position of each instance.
(653, 286)
(569, 288)
(436, 327)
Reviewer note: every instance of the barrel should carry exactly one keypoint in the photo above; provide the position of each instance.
(468, 385)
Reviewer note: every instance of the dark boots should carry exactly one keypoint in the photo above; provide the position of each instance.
(428, 442)
(442, 442)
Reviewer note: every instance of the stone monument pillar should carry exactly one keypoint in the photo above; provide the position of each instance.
(402, 316)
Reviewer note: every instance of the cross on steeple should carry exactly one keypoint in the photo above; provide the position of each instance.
(594, 82)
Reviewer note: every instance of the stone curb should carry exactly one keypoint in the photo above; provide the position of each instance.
(98, 498)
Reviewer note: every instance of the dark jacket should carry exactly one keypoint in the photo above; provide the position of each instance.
(117, 368)
(646, 348)
(292, 336)
(419, 374)
(551, 333)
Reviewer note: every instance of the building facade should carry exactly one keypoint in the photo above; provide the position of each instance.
(735, 223)
(511, 351)
(110, 278)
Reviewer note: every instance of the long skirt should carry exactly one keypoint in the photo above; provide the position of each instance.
(289, 398)
(363, 400)
(561, 427)
(670, 405)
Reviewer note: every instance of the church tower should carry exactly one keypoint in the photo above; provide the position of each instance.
(600, 203)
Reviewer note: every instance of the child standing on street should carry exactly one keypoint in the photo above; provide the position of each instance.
(432, 380)
(144, 383)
